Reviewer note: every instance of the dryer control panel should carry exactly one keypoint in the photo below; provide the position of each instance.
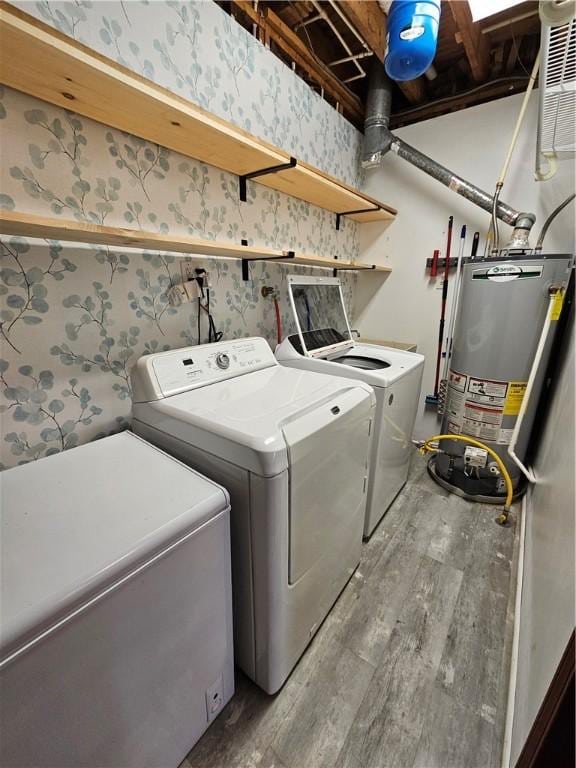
(169, 373)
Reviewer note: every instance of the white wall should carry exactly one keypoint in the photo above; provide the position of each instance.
(472, 143)
(547, 607)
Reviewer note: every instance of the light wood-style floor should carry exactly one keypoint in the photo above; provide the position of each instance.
(410, 669)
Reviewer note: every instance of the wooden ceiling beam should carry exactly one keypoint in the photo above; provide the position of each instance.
(475, 43)
(370, 21)
(414, 90)
(288, 39)
(274, 29)
(443, 106)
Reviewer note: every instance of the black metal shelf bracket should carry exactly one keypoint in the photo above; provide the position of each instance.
(263, 172)
(350, 213)
(246, 262)
(361, 268)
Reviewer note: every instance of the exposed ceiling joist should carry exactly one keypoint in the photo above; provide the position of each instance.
(370, 22)
(474, 42)
(507, 87)
(317, 69)
(272, 28)
(329, 43)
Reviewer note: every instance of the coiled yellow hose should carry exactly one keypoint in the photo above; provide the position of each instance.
(427, 448)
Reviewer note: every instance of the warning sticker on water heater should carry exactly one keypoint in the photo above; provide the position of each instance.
(475, 406)
(516, 392)
(486, 391)
(457, 381)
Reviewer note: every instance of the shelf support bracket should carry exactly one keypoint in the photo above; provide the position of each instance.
(246, 262)
(350, 213)
(361, 268)
(263, 172)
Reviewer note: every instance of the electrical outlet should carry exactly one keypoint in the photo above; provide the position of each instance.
(183, 292)
(214, 698)
(187, 269)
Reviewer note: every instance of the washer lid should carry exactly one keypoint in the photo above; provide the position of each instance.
(390, 364)
(397, 362)
(241, 419)
(75, 523)
(319, 314)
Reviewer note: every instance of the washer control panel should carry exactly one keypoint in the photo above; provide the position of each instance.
(179, 370)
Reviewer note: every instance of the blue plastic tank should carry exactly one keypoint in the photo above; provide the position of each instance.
(412, 38)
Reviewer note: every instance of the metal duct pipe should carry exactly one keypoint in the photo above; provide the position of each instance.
(377, 136)
(378, 140)
(451, 180)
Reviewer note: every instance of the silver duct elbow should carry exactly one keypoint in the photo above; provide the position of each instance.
(378, 140)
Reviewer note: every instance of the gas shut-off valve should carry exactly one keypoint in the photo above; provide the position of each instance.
(475, 457)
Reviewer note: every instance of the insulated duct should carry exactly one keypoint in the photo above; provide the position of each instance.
(378, 140)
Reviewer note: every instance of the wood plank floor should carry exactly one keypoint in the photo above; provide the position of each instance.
(410, 669)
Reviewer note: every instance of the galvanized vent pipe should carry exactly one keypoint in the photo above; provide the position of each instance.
(378, 140)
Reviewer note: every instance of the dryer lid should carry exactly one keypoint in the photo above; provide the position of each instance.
(242, 419)
(75, 523)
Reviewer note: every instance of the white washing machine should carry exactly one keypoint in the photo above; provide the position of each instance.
(116, 611)
(292, 449)
(324, 344)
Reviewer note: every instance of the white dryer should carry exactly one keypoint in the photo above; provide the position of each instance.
(292, 449)
(324, 344)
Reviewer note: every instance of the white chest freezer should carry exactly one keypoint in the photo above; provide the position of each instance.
(116, 627)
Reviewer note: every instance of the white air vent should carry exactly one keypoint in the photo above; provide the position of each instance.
(556, 119)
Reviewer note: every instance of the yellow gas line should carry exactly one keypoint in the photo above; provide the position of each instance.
(427, 448)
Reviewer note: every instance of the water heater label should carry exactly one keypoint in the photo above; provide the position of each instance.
(556, 307)
(503, 273)
(457, 381)
(485, 391)
(505, 436)
(516, 392)
(477, 407)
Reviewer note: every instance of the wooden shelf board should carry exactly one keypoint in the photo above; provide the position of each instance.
(327, 263)
(30, 225)
(44, 63)
(379, 214)
(307, 183)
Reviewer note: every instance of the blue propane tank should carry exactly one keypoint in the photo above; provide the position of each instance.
(412, 38)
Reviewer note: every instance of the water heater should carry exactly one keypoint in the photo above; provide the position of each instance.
(502, 309)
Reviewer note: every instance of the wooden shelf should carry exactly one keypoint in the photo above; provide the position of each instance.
(30, 225)
(44, 63)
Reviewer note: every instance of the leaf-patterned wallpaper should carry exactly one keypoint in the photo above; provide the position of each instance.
(73, 319)
(198, 51)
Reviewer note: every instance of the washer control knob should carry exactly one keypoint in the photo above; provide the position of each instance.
(222, 361)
